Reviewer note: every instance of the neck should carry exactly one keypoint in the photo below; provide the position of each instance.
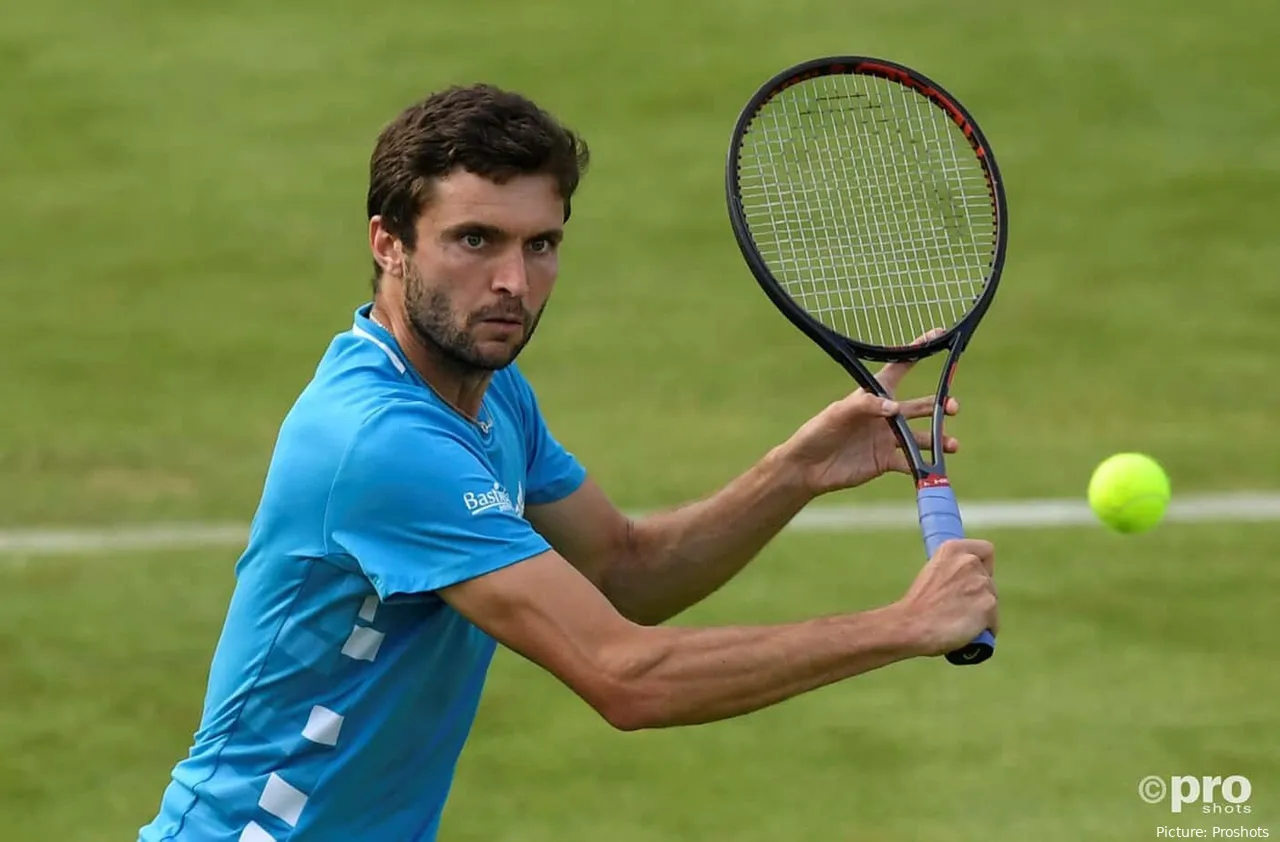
(462, 387)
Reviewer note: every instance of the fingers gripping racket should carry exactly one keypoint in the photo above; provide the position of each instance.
(868, 205)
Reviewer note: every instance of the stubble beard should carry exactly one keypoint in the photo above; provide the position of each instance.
(430, 314)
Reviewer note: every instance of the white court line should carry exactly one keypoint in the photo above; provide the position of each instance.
(1242, 507)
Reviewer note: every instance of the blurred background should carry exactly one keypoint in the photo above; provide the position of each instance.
(182, 231)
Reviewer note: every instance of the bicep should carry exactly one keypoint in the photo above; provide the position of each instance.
(545, 610)
(585, 528)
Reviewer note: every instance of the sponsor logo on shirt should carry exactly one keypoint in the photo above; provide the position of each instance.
(495, 499)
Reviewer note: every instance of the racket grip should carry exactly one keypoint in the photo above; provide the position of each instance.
(940, 522)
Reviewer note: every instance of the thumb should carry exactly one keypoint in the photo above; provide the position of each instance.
(866, 403)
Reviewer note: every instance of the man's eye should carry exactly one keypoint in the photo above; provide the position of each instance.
(540, 246)
(473, 241)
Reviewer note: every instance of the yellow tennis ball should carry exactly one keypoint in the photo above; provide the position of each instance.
(1129, 492)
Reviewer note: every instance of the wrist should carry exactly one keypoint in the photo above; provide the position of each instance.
(788, 473)
(897, 631)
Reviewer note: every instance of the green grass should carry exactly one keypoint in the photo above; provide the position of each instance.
(185, 234)
(1119, 658)
(182, 233)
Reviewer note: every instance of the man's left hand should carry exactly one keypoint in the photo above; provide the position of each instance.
(851, 441)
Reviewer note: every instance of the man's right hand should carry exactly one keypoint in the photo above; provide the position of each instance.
(953, 598)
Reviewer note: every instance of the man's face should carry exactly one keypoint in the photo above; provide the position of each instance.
(483, 266)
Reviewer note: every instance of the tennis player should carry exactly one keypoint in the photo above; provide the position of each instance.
(417, 512)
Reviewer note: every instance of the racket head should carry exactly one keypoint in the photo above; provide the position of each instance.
(869, 206)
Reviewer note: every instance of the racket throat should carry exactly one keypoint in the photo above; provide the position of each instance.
(933, 481)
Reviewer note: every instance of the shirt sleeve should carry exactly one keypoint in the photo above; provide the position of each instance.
(553, 472)
(419, 511)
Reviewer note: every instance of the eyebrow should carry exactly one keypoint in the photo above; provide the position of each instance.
(555, 235)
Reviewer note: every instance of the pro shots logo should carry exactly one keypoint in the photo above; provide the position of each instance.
(495, 499)
(1211, 794)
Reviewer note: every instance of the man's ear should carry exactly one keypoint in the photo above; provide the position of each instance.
(386, 247)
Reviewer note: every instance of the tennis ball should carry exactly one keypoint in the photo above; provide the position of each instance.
(1129, 492)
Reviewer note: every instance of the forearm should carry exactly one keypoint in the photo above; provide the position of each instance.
(678, 557)
(684, 676)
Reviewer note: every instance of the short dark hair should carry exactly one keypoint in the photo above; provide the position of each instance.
(481, 128)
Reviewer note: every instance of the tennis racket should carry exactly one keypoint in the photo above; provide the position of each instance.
(868, 205)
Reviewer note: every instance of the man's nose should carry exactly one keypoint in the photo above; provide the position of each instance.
(512, 276)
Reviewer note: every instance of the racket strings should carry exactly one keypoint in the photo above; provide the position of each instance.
(869, 207)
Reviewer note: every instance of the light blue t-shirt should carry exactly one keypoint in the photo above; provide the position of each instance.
(342, 688)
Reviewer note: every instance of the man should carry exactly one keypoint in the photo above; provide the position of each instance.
(417, 511)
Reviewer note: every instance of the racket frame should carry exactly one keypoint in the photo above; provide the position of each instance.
(848, 352)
